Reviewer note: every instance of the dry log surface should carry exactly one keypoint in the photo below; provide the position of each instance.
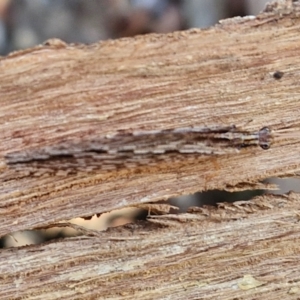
(225, 75)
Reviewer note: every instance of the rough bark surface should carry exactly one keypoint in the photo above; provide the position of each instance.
(228, 74)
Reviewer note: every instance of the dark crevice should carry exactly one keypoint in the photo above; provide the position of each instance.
(119, 218)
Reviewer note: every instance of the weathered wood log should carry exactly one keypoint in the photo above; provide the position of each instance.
(242, 72)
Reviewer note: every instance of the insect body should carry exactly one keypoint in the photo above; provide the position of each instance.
(189, 140)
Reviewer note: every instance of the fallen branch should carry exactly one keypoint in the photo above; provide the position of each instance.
(242, 72)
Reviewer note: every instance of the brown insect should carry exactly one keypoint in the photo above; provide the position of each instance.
(132, 145)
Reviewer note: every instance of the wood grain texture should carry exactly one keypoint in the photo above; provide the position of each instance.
(226, 75)
(242, 251)
(221, 76)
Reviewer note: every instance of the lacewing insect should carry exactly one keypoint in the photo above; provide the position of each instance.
(136, 145)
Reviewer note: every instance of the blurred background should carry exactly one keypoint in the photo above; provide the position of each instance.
(25, 23)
